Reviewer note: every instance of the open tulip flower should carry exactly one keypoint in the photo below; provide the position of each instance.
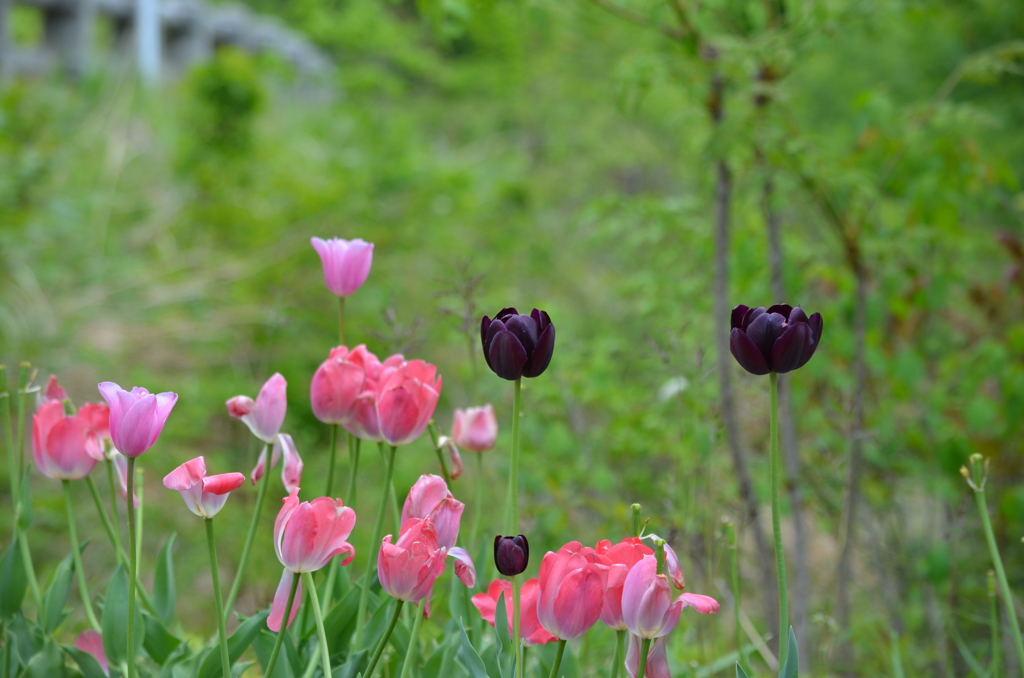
(204, 495)
(647, 606)
(573, 581)
(137, 417)
(363, 420)
(61, 444)
(780, 339)
(517, 345)
(628, 553)
(429, 498)
(346, 263)
(265, 415)
(291, 472)
(529, 625)
(408, 568)
(475, 429)
(338, 382)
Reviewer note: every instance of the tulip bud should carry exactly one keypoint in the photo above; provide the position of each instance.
(779, 339)
(511, 554)
(346, 263)
(517, 345)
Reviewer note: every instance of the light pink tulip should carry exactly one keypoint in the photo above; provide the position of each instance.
(92, 642)
(429, 498)
(627, 553)
(529, 626)
(264, 416)
(475, 429)
(137, 417)
(408, 568)
(573, 581)
(308, 534)
(52, 392)
(657, 660)
(204, 495)
(346, 263)
(59, 443)
(365, 422)
(406, 401)
(647, 606)
(672, 568)
(291, 473)
(338, 382)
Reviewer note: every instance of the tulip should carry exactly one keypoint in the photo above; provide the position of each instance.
(204, 495)
(672, 568)
(529, 626)
(137, 417)
(573, 582)
(647, 606)
(511, 554)
(97, 418)
(657, 660)
(365, 420)
(337, 383)
(264, 416)
(53, 392)
(517, 345)
(475, 429)
(430, 499)
(628, 553)
(780, 339)
(454, 458)
(346, 263)
(59, 443)
(408, 568)
(406, 401)
(291, 473)
(91, 642)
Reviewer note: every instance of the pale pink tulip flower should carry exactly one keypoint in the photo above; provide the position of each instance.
(291, 472)
(430, 499)
(204, 495)
(137, 417)
(346, 263)
(647, 606)
(265, 415)
(475, 429)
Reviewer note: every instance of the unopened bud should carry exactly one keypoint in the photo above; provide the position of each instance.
(978, 472)
(636, 519)
(511, 554)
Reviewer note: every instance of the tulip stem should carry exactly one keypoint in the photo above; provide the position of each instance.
(413, 636)
(436, 438)
(617, 660)
(334, 454)
(516, 632)
(22, 394)
(993, 611)
(512, 523)
(236, 585)
(478, 507)
(384, 639)
(558, 660)
(281, 632)
(780, 554)
(353, 453)
(218, 600)
(389, 465)
(997, 562)
(325, 655)
(12, 464)
(735, 567)
(76, 555)
(113, 532)
(645, 648)
(132, 568)
(341, 321)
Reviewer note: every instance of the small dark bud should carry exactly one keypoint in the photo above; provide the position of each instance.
(511, 554)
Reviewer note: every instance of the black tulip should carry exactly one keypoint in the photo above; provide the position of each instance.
(779, 339)
(511, 554)
(517, 345)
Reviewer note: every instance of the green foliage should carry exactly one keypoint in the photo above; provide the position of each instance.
(56, 596)
(115, 619)
(13, 582)
(165, 592)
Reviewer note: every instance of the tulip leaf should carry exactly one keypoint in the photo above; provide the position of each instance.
(56, 596)
(164, 590)
(378, 623)
(468, 656)
(440, 662)
(341, 622)
(263, 646)
(13, 581)
(238, 643)
(47, 663)
(356, 663)
(159, 642)
(115, 619)
(25, 502)
(505, 653)
(792, 668)
(87, 664)
(740, 673)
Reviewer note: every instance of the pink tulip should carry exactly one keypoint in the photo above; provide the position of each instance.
(52, 392)
(59, 443)
(204, 495)
(628, 553)
(454, 458)
(408, 568)
(657, 660)
(280, 603)
(365, 422)
(121, 464)
(264, 416)
(672, 568)
(291, 473)
(92, 642)
(429, 498)
(338, 382)
(406, 401)
(137, 417)
(573, 581)
(346, 263)
(529, 626)
(475, 428)
(647, 606)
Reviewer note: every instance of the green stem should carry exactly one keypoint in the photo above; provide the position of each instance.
(516, 632)
(112, 532)
(330, 466)
(325, 655)
(12, 464)
(218, 600)
(780, 555)
(436, 438)
(341, 320)
(284, 627)
(735, 567)
(132, 568)
(384, 639)
(478, 505)
(22, 394)
(353, 453)
(76, 555)
(617, 660)
(512, 512)
(993, 612)
(254, 523)
(997, 562)
(645, 648)
(389, 465)
(411, 653)
(558, 659)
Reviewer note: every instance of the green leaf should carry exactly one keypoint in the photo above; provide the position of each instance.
(164, 590)
(357, 662)
(740, 673)
(505, 653)
(263, 645)
(25, 502)
(13, 581)
(115, 619)
(238, 643)
(378, 624)
(48, 663)
(86, 662)
(159, 642)
(792, 668)
(56, 596)
(469, 657)
(340, 622)
(440, 663)
(11, 640)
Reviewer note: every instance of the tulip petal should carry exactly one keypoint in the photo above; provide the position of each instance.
(281, 601)
(703, 604)
(746, 353)
(525, 330)
(136, 432)
(541, 357)
(763, 331)
(657, 659)
(67, 457)
(750, 316)
(506, 355)
(793, 349)
(797, 315)
(736, 317)
(816, 326)
(223, 483)
(92, 642)
(577, 606)
(291, 472)
(465, 570)
(782, 309)
(185, 476)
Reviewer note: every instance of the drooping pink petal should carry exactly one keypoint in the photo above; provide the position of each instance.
(703, 604)
(223, 483)
(67, 457)
(291, 472)
(657, 659)
(465, 570)
(271, 407)
(280, 603)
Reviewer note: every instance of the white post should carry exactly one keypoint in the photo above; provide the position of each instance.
(147, 32)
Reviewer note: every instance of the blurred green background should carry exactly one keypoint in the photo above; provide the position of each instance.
(553, 154)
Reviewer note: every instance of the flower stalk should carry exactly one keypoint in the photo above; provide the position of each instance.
(516, 631)
(993, 610)
(353, 453)
(284, 627)
(436, 439)
(512, 514)
(411, 653)
(384, 639)
(236, 585)
(76, 555)
(558, 660)
(780, 554)
(617, 660)
(222, 636)
(378, 525)
(133, 562)
(330, 466)
(325, 656)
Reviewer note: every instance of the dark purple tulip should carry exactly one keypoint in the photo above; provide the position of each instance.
(517, 345)
(511, 554)
(780, 339)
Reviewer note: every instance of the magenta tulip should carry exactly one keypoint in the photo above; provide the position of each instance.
(406, 401)
(573, 582)
(291, 472)
(338, 382)
(204, 495)
(60, 443)
(346, 263)
(137, 417)
(475, 429)
(264, 416)
(647, 606)
(408, 568)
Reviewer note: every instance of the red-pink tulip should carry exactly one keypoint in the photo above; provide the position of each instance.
(408, 568)
(572, 585)
(346, 263)
(52, 392)
(265, 415)
(338, 382)
(627, 553)
(475, 428)
(59, 443)
(137, 417)
(97, 419)
(308, 534)
(429, 498)
(291, 472)
(647, 606)
(92, 642)
(657, 660)
(204, 495)
(365, 421)
(406, 401)
(529, 626)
